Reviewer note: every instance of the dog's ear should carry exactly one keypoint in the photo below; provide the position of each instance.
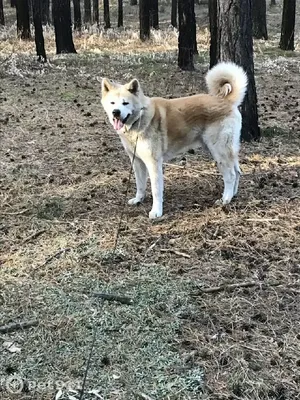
(133, 86)
(107, 85)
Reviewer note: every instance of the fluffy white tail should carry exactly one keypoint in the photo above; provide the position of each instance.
(227, 80)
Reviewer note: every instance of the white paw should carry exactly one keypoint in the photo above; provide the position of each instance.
(135, 200)
(155, 214)
(222, 202)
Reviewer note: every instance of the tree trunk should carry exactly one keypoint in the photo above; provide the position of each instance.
(194, 27)
(61, 11)
(106, 14)
(96, 11)
(120, 13)
(186, 39)
(77, 15)
(259, 14)
(288, 25)
(273, 3)
(232, 41)
(45, 12)
(174, 13)
(87, 12)
(144, 20)
(154, 14)
(23, 24)
(133, 2)
(30, 7)
(38, 30)
(2, 22)
(213, 18)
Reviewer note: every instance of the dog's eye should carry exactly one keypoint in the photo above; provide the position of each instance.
(125, 103)
(112, 102)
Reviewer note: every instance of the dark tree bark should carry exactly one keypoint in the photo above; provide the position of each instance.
(213, 18)
(87, 11)
(45, 12)
(96, 11)
(23, 23)
(13, 3)
(194, 27)
(259, 18)
(154, 14)
(106, 14)
(133, 2)
(120, 13)
(2, 22)
(186, 39)
(61, 11)
(38, 30)
(233, 42)
(144, 20)
(174, 13)
(30, 6)
(77, 15)
(288, 25)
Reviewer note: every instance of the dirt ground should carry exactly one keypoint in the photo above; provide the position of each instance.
(63, 181)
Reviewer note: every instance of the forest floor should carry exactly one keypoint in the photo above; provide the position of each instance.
(63, 180)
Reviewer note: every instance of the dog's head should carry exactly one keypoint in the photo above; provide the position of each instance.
(122, 103)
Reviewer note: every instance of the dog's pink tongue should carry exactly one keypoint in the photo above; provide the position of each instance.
(118, 124)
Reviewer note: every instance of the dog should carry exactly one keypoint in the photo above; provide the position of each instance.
(154, 130)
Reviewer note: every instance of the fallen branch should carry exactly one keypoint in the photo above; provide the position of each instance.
(178, 253)
(114, 297)
(18, 325)
(233, 286)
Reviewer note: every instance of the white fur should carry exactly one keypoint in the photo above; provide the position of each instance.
(234, 81)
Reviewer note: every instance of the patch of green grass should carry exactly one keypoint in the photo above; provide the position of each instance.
(140, 340)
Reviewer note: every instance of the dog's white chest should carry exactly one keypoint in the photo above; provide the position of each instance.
(143, 146)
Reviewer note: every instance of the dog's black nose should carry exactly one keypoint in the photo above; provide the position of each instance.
(116, 113)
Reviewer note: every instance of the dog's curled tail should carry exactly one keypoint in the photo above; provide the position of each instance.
(227, 80)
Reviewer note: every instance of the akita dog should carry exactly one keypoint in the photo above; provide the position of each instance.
(155, 129)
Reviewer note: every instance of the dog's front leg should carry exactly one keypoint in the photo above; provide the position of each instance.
(141, 175)
(155, 169)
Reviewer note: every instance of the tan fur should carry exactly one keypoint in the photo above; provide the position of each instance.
(162, 128)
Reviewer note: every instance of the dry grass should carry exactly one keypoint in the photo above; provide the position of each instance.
(63, 175)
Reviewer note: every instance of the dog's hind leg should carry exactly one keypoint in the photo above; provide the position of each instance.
(141, 175)
(238, 173)
(224, 156)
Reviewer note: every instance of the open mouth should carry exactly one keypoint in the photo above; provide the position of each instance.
(118, 123)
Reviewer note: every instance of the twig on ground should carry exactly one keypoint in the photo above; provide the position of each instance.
(15, 213)
(114, 297)
(18, 325)
(230, 287)
(6, 59)
(143, 396)
(55, 255)
(262, 219)
(34, 236)
(178, 253)
(152, 246)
